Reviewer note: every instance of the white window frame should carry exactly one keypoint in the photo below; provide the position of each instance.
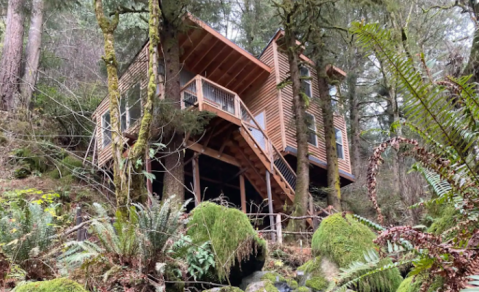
(314, 129)
(336, 130)
(308, 81)
(104, 128)
(128, 107)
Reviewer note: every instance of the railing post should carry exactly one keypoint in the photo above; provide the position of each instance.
(279, 229)
(270, 204)
(237, 107)
(199, 92)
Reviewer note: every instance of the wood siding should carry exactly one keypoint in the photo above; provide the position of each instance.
(278, 105)
(136, 72)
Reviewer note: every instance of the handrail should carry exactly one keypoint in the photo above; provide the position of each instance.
(279, 164)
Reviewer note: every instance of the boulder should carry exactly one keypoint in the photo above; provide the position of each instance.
(262, 286)
(254, 277)
(344, 241)
(57, 285)
(311, 275)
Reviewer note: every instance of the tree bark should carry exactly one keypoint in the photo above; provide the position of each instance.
(299, 110)
(10, 63)
(334, 186)
(173, 182)
(32, 52)
(351, 80)
(108, 27)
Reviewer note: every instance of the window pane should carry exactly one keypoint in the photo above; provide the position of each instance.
(106, 133)
(339, 149)
(312, 129)
(304, 72)
(306, 87)
(312, 138)
(339, 136)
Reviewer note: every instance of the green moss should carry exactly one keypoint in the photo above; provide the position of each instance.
(21, 172)
(444, 221)
(292, 283)
(317, 283)
(65, 168)
(230, 289)
(33, 160)
(57, 285)
(345, 241)
(232, 236)
(269, 287)
(311, 266)
(302, 289)
(273, 277)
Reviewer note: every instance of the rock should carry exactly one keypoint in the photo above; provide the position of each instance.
(224, 289)
(312, 275)
(255, 277)
(57, 285)
(262, 286)
(302, 289)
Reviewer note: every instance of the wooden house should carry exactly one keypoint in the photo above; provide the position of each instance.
(247, 151)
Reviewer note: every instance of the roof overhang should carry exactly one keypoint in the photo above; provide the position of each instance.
(206, 52)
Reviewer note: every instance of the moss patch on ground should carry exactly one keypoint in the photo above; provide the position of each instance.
(57, 285)
(312, 269)
(273, 277)
(65, 167)
(232, 236)
(344, 241)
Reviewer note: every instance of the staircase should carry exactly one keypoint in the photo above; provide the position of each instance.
(251, 147)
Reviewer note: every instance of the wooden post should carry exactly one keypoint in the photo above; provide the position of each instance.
(279, 229)
(196, 179)
(270, 204)
(243, 193)
(149, 183)
(311, 205)
(199, 92)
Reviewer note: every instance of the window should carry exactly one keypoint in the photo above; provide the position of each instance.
(106, 129)
(333, 93)
(339, 143)
(305, 81)
(311, 122)
(130, 107)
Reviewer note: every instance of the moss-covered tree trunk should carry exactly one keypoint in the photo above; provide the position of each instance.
(12, 55)
(140, 149)
(334, 187)
(108, 27)
(173, 182)
(299, 110)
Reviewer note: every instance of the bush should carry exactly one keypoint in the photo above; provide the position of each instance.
(345, 241)
(231, 235)
(66, 167)
(57, 285)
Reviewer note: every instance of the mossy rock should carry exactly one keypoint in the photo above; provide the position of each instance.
(224, 289)
(344, 241)
(293, 284)
(313, 275)
(302, 289)
(273, 277)
(238, 248)
(57, 285)
(65, 168)
(263, 286)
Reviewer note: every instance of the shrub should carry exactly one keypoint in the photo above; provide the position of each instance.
(66, 167)
(232, 237)
(345, 241)
(57, 285)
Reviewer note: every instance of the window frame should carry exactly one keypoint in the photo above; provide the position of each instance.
(307, 81)
(314, 129)
(336, 130)
(105, 128)
(125, 98)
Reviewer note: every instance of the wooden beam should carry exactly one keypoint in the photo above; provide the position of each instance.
(207, 141)
(243, 193)
(221, 130)
(233, 69)
(237, 74)
(196, 179)
(220, 183)
(250, 83)
(202, 39)
(239, 173)
(202, 71)
(200, 59)
(240, 84)
(212, 153)
(220, 64)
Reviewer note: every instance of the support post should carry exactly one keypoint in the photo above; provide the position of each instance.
(149, 183)
(270, 204)
(243, 193)
(196, 179)
(311, 205)
(279, 229)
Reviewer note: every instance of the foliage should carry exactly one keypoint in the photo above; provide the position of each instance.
(232, 237)
(129, 249)
(200, 259)
(57, 285)
(344, 241)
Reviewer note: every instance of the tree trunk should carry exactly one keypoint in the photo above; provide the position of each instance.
(173, 182)
(334, 186)
(354, 122)
(32, 52)
(120, 180)
(12, 55)
(472, 67)
(299, 110)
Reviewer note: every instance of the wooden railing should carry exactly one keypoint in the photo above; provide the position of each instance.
(200, 90)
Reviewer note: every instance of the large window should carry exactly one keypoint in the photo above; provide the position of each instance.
(106, 129)
(311, 122)
(339, 143)
(130, 107)
(305, 81)
(334, 94)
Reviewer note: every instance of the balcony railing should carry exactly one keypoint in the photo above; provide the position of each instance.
(199, 91)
